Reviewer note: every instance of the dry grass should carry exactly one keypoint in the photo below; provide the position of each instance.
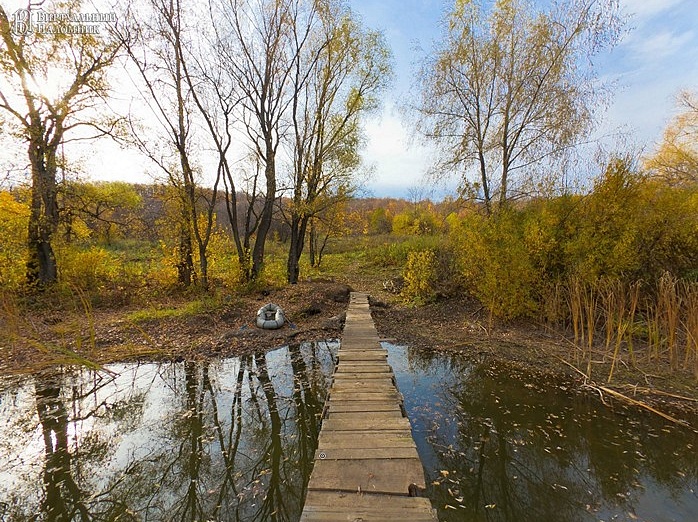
(616, 318)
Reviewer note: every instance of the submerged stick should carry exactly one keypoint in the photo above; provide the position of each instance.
(647, 407)
(621, 396)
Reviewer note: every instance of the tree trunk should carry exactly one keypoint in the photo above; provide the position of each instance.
(298, 227)
(185, 258)
(43, 218)
(485, 184)
(312, 244)
(321, 250)
(267, 214)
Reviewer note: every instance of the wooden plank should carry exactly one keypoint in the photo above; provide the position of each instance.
(330, 506)
(362, 350)
(364, 423)
(365, 385)
(357, 415)
(407, 452)
(361, 381)
(344, 395)
(365, 439)
(362, 356)
(337, 406)
(358, 394)
(370, 475)
(361, 344)
(359, 375)
(342, 515)
(364, 367)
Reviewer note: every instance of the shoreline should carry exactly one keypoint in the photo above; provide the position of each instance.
(315, 312)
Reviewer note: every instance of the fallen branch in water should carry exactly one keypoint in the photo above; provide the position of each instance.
(652, 391)
(618, 395)
(641, 404)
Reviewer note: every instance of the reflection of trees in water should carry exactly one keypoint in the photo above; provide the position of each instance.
(63, 499)
(508, 457)
(495, 472)
(222, 440)
(66, 465)
(309, 391)
(244, 466)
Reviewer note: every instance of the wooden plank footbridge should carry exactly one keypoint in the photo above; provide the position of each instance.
(366, 465)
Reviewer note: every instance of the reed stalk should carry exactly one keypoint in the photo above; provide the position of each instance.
(612, 304)
(575, 304)
(589, 305)
(634, 295)
(652, 320)
(690, 325)
(623, 311)
(669, 303)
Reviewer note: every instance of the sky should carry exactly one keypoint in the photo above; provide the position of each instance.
(657, 58)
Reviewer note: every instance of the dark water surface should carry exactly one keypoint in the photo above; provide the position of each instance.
(234, 440)
(499, 446)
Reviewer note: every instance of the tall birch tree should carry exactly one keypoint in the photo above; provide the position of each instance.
(337, 81)
(510, 88)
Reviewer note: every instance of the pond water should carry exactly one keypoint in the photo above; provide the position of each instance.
(234, 439)
(227, 440)
(499, 446)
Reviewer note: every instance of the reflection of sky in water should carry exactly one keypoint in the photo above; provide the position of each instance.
(501, 445)
(155, 437)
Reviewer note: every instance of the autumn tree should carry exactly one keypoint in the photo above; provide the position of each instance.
(164, 48)
(325, 225)
(259, 43)
(32, 64)
(104, 207)
(511, 87)
(336, 81)
(676, 159)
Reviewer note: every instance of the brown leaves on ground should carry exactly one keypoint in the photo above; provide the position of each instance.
(40, 338)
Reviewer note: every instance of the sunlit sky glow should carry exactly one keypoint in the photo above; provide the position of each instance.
(657, 58)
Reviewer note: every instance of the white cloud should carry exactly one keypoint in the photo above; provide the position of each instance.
(398, 163)
(643, 9)
(662, 44)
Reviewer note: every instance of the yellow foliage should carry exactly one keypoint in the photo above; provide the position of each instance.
(629, 228)
(676, 159)
(420, 222)
(88, 269)
(420, 277)
(14, 222)
(496, 264)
